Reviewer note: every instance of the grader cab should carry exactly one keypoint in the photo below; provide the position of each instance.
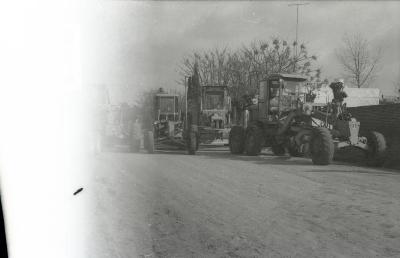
(171, 127)
(215, 109)
(285, 118)
(167, 114)
(215, 106)
(167, 127)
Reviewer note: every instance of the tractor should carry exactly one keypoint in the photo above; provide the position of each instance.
(285, 118)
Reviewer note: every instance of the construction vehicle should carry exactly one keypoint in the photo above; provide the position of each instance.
(209, 111)
(215, 111)
(120, 127)
(285, 118)
(171, 127)
(167, 128)
(112, 125)
(204, 119)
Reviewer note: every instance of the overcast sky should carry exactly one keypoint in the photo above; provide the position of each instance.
(136, 45)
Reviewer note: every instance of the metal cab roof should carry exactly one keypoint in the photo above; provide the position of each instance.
(287, 77)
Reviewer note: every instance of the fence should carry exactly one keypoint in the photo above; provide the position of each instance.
(382, 118)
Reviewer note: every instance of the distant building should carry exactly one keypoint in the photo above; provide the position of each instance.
(355, 96)
(390, 99)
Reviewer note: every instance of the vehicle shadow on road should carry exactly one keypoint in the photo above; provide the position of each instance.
(125, 149)
(270, 159)
(263, 158)
(355, 163)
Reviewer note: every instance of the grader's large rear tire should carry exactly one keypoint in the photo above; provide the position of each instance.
(149, 144)
(377, 149)
(254, 140)
(322, 148)
(236, 140)
(197, 141)
(192, 143)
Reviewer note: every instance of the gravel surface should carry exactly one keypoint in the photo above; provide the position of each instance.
(215, 204)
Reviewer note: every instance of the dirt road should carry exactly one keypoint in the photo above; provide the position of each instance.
(217, 205)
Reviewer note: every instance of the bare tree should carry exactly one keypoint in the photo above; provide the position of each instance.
(242, 69)
(360, 64)
(212, 64)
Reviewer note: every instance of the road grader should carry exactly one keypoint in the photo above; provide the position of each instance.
(204, 119)
(118, 126)
(167, 128)
(286, 119)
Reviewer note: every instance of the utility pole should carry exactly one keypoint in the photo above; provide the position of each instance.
(297, 28)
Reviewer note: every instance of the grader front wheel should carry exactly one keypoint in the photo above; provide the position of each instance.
(254, 141)
(322, 148)
(376, 149)
(236, 140)
(192, 143)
